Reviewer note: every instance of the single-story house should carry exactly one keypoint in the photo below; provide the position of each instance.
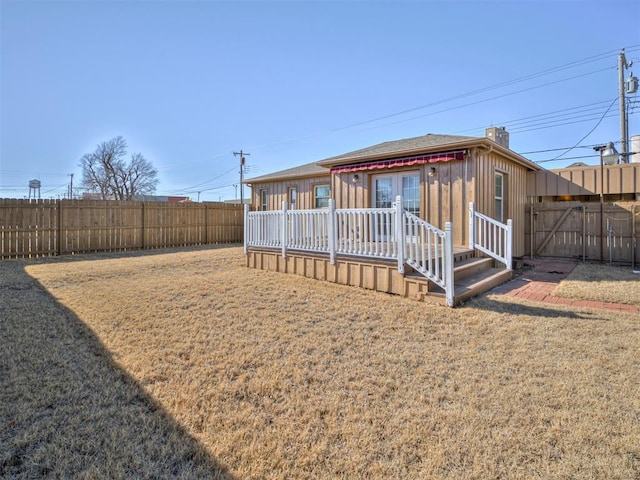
(436, 176)
(461, 201)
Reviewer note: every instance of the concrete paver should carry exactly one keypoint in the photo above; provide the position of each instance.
(537, 282)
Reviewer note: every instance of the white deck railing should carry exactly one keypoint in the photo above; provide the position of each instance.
(389, 233)
(490, 236)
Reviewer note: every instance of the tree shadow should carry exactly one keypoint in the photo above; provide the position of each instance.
(67, 410)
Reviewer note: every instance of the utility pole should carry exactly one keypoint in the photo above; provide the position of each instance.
(71, 187)
(242, 154)
(624, 120)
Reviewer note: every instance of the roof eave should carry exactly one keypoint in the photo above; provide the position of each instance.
(276, 178)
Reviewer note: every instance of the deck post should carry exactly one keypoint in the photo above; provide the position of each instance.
(246, 228)
(508, 246)
(400, 240)
(331, 227)
(283, 228)
(472, 226)
(448, 263)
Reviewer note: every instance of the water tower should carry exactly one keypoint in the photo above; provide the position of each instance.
(34, 186)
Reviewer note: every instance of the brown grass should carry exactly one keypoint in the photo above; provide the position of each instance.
(601, 283)
(203, 365)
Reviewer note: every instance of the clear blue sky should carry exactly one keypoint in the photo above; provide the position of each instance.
(189, 83)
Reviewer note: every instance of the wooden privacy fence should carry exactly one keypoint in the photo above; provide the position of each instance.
(34, 228)
(573, 230)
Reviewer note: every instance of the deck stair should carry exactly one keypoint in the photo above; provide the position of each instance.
(472, 275)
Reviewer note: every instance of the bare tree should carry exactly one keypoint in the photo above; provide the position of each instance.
(105, 171)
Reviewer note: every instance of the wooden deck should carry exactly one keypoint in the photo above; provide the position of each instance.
(472, 275)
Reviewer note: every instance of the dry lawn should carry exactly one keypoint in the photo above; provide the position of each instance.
(601, 283)
(185, 364)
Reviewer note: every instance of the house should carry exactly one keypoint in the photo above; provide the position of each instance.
(437, 178)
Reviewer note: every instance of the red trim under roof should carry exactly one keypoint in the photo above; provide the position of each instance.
(401, 162)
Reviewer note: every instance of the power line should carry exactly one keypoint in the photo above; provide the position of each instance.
(464, 95)
(590, 131)
(525, 121)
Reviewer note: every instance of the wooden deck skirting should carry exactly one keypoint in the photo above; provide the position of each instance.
(373, 274)
(377, 274)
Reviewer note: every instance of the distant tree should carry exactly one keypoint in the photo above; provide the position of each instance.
(106, 172)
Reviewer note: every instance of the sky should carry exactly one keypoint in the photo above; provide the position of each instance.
(188, 83)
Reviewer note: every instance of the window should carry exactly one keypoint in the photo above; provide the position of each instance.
(321, 196)
(263, 200)
(499, 197)
(293, 196)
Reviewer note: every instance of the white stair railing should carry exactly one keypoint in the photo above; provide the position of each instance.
(429, 251)
(490, 236)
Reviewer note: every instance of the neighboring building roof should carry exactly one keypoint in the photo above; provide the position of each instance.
(307, 170)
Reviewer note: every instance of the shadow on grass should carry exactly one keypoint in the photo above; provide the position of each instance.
(67, 410)
(85, 256)
(493, 303)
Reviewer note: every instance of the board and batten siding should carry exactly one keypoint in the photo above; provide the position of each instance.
(278, 192)
(618, 179)
(482, 192)
(350, 194)
(443, 196)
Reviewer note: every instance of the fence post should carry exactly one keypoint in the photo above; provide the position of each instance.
(332, 231)
(448, 263)
(246, 228)
(509, 244)
(59, 229)
(283, 237)
(472, 226)
(144, 227)
(206, 225)
(400, 233)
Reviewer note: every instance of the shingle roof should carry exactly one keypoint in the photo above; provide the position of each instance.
(429, 142)
(396, 146)
(307, 170)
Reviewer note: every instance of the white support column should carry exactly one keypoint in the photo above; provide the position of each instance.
(472, 226)
(283, 228)
(400, 240)
(509, 245)
(332, 231)
(448, 263)
(246, 228)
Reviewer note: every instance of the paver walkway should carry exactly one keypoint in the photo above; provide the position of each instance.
(537, 283)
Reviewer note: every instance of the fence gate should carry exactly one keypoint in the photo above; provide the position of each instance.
(574, 230)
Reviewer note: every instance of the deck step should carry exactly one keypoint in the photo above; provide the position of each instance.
(471, 266)
(480, 283)
(477, 279)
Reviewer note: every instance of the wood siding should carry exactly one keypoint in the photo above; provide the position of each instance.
(58, 227)
(618, 179)
(277, 192)
(482, 192)
(444, 196)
